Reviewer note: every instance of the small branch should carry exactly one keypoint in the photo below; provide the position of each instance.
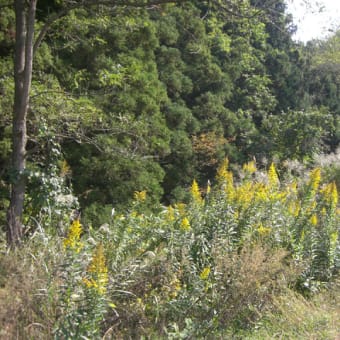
(50, 91)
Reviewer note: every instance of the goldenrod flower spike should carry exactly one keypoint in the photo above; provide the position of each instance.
(314, 179)
(222, 171)
(314, 220)
(73, 238)
(98, 271)
(140, 196)
(272, 176)
(185, 224)
(195, 192)
(334, 195)
(249, 167)
(205, 273)
(262, 230)
(225, 178)
(330, 193)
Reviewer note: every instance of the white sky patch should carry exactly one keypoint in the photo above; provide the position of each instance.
(315, 19)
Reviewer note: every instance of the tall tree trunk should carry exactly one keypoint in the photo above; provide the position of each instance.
(23, 60)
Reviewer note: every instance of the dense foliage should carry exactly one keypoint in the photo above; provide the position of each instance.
(147, 99)
(130, 104)
(213, 267)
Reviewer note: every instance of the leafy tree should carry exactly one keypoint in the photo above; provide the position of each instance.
(25, 46)
(150, 94)
(298, 134)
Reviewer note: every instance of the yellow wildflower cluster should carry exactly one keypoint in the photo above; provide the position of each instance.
(314, 179)
(272, 176)
(314, 220)
(244, 194)
(249, 168)
(205, 273)
(263, 231)
(185, 224)
(260, 192)
(222, 171)
(73, 238)
(330, 193)
(195, 192)
(226, 179)
(97, 271)
(140, 196)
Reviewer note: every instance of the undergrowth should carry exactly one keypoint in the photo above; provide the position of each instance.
(250, 257)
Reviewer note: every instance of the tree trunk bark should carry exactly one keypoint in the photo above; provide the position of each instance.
(23, 60)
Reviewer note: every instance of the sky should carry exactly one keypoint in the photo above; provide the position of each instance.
(315, 18)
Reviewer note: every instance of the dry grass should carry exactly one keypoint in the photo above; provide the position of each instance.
(26, 309)
(295, 317)
(248, 281)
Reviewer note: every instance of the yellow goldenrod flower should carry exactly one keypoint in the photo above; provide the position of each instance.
(278, 196)
(272, 176)
(97, 271)
(73, 238)
(112, 305)
(249, 167)
(229, 185)
(170, 213)
(185, 224)
(314, 220)
(225, 178)
(314, 179)
(205, 273)
(263, 230)
(261, 192)
(244, 194)
(334, 195)
(222, 171)
(140, 196)
(330, 193)
(195, 192)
